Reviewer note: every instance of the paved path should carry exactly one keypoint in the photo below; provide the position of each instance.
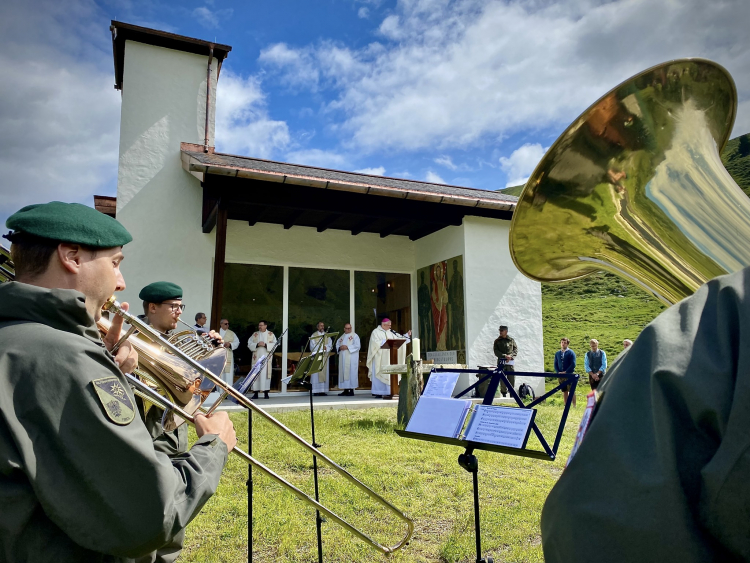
(363, 400)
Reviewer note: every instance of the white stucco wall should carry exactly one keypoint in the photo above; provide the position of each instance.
(497, 293)
(163, 104)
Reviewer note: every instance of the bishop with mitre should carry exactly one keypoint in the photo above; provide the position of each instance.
(378, 358)
(259, 344)
(232, 342)
(348, 349)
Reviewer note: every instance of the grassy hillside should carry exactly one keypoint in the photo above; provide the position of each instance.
(514, 190)
(601, 306)
(736, 159)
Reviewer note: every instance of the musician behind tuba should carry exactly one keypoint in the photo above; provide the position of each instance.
(79, 477)
(162, 307)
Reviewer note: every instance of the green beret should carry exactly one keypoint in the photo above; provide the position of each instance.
(158, 292)
(68, 222)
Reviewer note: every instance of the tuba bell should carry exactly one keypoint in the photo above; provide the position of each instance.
(636, 186)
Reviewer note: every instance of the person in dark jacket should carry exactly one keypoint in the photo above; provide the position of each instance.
(506, 350)
(565, 362)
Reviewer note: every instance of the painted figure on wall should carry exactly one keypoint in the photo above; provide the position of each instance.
(425, 317)
(441, 307)
(439, 303)
(456, 308)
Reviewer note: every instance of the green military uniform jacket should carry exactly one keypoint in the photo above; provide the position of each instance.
(79, 478)
(505, 347)
(663, 473)
(170, 443)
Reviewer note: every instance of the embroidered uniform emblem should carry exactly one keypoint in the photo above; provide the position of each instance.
(116, 402)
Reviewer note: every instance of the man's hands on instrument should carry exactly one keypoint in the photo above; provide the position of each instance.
(218, 423)
(216, 337)
(126, 357)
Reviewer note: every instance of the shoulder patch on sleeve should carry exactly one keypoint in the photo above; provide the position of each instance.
(115, 400)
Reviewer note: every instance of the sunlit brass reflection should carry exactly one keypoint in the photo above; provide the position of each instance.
(636, 186)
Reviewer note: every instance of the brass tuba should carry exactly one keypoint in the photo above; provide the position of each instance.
(636, 186)
(169, 376)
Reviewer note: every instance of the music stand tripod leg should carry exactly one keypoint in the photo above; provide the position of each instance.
(470, 463)
(249, 488)
(318, 518)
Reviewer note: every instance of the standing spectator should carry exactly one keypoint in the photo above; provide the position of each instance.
(319, 342)
(231, 342)
(595, 363)
(348, 348)
(565, 362)
(627, 343)
(200, 322)
(506, 351)
(258, 344)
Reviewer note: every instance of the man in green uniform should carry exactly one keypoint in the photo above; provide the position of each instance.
(662, 473)
(162, 306)
(506, 351)
(79, 477)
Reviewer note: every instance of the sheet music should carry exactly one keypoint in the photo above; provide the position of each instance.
(439, 417)
(441, 384)
(500, 426)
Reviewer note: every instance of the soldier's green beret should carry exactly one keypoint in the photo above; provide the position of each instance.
(68, 222)
(161, 291)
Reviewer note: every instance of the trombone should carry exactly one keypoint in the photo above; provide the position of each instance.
(206, 375)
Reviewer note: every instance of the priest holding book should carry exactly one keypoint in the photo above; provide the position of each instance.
(378, 359)
(348, 347)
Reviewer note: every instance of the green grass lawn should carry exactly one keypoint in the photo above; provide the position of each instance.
(421, 478)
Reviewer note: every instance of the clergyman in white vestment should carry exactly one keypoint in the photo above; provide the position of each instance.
(259, 344)
(348, 346)
(377, 358)
(231, 342)
(320, 380)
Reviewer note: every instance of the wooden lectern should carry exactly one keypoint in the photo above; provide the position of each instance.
(393, 345)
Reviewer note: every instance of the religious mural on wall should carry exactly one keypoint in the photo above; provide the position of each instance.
(440, 303)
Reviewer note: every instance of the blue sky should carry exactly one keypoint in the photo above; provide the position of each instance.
(466, 92)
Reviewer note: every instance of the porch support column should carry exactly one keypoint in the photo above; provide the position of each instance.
(219, 258)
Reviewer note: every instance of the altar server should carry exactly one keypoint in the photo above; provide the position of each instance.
(348, 349)
(319, 380)
(377, 359)
(232, 343)
(259, 343)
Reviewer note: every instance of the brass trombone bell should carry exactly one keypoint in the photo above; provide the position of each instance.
(147, 333)
(636, 186)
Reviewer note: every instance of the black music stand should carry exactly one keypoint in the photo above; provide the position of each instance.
(314, 363)
(243, 386)
(469, 461)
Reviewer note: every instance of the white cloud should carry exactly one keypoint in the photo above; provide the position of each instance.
(209, 18)
(318, 157)
(446, 161)
(434, 178)
(521, 163)
(298, 64)
(455, 74)
(363, 12)
(378, 171)
(243, 125)
(59, 115)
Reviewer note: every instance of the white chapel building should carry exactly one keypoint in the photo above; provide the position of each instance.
(251, 239)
